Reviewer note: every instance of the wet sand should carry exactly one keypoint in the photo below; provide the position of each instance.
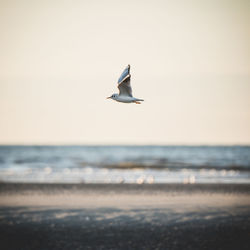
(124, 216)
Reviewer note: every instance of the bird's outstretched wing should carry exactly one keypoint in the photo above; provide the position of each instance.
(124, 83)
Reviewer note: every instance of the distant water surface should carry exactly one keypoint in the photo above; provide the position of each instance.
(125, 164)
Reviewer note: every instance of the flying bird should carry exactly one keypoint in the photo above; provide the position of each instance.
(125, 90)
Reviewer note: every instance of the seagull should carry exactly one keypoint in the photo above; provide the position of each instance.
(125, 90)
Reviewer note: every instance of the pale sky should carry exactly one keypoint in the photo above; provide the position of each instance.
(190, 61)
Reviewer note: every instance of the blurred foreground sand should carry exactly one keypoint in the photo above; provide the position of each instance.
(173, 216)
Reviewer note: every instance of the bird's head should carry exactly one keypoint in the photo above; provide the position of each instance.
(114, 96)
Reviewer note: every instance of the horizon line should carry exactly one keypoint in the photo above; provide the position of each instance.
(128, 144)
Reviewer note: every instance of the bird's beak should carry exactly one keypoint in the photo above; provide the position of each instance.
(108, 97)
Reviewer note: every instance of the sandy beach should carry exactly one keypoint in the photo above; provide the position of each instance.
(124, 216)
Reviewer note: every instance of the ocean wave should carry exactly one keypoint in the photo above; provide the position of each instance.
(159, 164)
(126, 165)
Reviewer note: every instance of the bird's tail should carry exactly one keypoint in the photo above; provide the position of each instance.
(140, 100)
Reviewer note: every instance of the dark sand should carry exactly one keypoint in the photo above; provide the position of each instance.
(122, 216)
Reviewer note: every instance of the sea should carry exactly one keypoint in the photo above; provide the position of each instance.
(125, 164)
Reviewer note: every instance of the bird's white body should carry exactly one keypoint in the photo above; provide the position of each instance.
(124, 86)
(125, 99)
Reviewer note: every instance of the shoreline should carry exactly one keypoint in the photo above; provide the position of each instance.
(9, 187)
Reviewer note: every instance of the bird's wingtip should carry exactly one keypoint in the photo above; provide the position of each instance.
(128, 68)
